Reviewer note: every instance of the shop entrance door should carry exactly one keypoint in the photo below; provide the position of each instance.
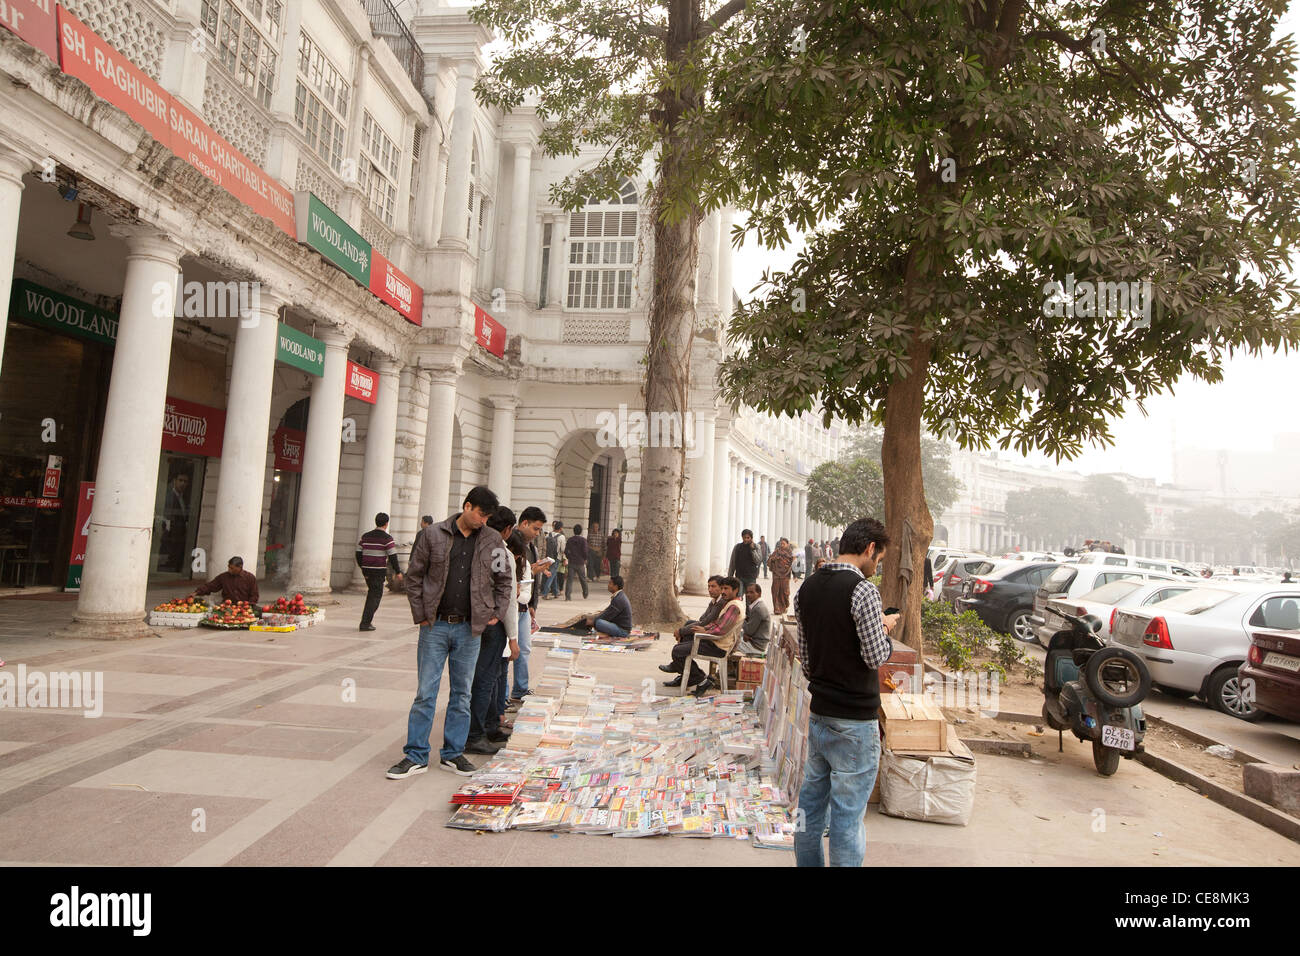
(176, 518)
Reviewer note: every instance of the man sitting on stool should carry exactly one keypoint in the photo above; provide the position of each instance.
(615, 620)
(721, 638)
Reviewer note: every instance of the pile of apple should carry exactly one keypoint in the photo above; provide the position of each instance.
(293, 605)
(232, 614)
(185, 605)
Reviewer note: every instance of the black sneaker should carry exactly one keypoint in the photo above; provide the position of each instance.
(458, 764)
(366, 627)
(480, 746)
(675, 682)
(705, 686)
(500, 737)
(668, 668)
(407, 768)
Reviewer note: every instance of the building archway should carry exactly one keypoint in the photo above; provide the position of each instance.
(590, 483)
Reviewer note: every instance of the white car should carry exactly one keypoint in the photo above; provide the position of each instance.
(1070, 582)
(1194, 643)
(1105, 559)
(1104, 601)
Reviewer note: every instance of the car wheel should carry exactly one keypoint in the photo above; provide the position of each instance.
(1018, 626)
(1175, 692)
(1224, 695)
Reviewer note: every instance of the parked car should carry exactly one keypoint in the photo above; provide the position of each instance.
(1104, 601)
(1004, 596)
(957, 571)
(1195, 643)
(1134, 561)
(1271, 675)
(1071, 581)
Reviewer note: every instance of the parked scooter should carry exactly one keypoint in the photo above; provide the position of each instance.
(1095, 692)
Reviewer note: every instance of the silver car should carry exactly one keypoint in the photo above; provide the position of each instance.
(1070, 581)
(1193, 643)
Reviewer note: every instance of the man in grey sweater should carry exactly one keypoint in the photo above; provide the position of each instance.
(757, 629)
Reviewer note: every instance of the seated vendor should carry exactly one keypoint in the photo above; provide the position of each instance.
(235, 584)
(719, 638)
(615, 620)
(685, 632)
(757, 629)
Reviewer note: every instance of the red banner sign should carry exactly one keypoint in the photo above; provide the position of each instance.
(288, 444)
(396, 288)
(80, 535)
(361, 383)
(34, 22)
(490, 333)
(115, 79)
(53, 475)
(192, 428)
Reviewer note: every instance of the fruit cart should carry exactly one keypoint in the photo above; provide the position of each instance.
(183, 612)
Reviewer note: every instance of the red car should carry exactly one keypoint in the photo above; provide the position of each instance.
(1273, 664)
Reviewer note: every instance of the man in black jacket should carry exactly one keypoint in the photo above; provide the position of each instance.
(745, 560)
(376, 551)
(843, 639)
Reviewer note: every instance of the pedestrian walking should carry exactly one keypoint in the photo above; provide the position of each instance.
(744, 560)
(809, 556)
(764, 552)
(458, 587)
(843, 639)
(614, 550)
(575, 549)
(595, 551)
(781, 563)
(555, 543)
(376, 551)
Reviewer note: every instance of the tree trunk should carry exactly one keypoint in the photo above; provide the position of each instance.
(905, 495)
(652, 576)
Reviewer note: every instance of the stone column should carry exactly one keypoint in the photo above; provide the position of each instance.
(699, 532)
(772, 531)
(435, 483)
(454, 234)
(719, 505)
(724, 268)
(12, 168)
(381, 447)
(521, 215)
(747, 503)
(313, 546)
(707, 294)
(735, 493)
(502, 464)
(237, 520)
(116, 574)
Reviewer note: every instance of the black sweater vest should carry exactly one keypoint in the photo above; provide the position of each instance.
(842, 685)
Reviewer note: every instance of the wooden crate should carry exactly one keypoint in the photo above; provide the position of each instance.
(913, 722)
(750, 669)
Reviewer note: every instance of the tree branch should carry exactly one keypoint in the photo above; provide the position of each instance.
(719, 19)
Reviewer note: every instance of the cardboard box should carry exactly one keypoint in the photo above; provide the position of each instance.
(749, 669)
(746, 685)
(913, 723)
(936, 787)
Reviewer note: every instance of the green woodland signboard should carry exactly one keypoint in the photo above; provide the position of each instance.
(45, 307)
(322, 229)
(300, 350)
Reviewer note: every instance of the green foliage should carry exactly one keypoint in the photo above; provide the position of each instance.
(1104, 510)
(941, 486)
(953, 160)
(959, 638)
(841, 491)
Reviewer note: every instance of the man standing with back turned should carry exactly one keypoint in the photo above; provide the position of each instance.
(843, 639)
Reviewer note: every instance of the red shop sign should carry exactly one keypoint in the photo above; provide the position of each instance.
(53, 474)
(490, 333)
(361, 383)
(33, 21)
(288, 444)
(396, 288)
(193, 429)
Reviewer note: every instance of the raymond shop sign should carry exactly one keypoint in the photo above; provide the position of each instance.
(34, 22)
(116, 80)
(193, 429)
(490, 333)
(300, 350)
(81, 535)
(394, 287)
(361, 383)
(288, 444)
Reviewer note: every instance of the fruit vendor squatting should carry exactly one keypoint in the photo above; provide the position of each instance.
(235, 584)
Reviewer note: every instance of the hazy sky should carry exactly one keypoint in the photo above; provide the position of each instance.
(1258, 397)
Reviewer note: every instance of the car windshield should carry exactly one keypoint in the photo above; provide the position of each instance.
(1113, 592)
(1194, 601)
(1060, 579)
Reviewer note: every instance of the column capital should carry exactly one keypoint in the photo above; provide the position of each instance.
(144, 241)
(504, 402)
(335, 337)
(443, 374)
(13, 166)
(387, 365)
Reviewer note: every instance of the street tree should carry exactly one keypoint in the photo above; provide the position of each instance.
(941, 486)
(622, 76)
(1017, 217)
(1052, 514)
(1114, 512)
(843, 490)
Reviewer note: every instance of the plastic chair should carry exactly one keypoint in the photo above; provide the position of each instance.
(695, 652)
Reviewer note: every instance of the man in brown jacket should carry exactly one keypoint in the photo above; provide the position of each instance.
(459, 582)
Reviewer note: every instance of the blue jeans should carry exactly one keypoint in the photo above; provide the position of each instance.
(451, 644)
(552, 585)
(610, 628)
(525, 647)
(843, 756)
(487, 668)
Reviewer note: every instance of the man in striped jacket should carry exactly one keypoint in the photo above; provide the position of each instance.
(376, 551)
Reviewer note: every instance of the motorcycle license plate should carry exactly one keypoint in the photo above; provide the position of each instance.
(1284, 661)
(1121, 738)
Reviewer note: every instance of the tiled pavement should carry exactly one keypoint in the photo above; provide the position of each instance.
(238, 748)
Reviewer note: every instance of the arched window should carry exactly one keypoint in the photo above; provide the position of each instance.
(602, 252)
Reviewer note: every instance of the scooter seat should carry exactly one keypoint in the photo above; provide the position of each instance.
(1066, 671)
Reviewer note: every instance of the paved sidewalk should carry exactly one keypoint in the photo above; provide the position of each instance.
(239, 748)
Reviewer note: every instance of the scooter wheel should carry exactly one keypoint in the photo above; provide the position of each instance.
(1105, 758)
(1112, 666)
